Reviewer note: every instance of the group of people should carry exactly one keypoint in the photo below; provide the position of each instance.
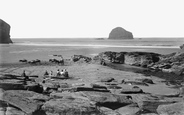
(62, 73)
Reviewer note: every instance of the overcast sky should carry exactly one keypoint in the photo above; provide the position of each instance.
(93, 18)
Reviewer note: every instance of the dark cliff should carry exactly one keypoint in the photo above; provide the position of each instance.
(5, 32)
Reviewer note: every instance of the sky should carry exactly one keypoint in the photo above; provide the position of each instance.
(92, 18)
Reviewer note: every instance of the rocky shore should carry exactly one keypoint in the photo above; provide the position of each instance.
(111, 83)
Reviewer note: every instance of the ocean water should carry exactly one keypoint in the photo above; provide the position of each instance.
(44, 48)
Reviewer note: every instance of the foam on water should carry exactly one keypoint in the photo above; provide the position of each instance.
(95, 45)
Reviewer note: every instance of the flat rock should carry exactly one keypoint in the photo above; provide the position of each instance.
(70, 106)
(131, 90)
(128, 110)
(27, 101)
(11, 84)
(145, 80)
(171, 109)
(14, 111)
(108, 100)
(107, 79)
(107, 111)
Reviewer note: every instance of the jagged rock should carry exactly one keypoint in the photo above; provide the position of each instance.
(141, 58)
(131, 58)
(4, 32)
(70, 106)
(27, 101)
(76, 58)
(171, 109)
(120, 33)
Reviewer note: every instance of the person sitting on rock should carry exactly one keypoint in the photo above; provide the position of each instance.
(61, 73)
(51, 74)
(58, 73)
(102, 62)
(65, 73)
(24, 75)
(46, 73)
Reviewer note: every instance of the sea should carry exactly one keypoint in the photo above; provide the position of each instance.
(45, 48)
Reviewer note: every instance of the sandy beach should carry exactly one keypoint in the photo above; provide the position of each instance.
(88, 80)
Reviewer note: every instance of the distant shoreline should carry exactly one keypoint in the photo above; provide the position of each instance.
(92, 45)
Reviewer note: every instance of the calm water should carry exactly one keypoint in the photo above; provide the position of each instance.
(44, 48)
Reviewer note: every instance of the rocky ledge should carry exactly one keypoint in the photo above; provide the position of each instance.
(170, 63)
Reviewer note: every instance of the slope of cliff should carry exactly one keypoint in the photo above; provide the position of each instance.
(4, 32)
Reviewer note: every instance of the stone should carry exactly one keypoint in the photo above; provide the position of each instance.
(141, 58)
(76, 58)
(128, 110)
(130, 58)
(131, 90)
(135, 83)
(107, 79)
(70, 106)
(11, 84)
(98, 86)
(108, 111)
(4, 32)
(14, 111)
(83, 88)
(145, 80)
(171, 109)
(27, 101)
(120, 33)
(108, 100)
(181, 91)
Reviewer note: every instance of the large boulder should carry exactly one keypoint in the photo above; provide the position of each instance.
(120, 33)
(4, 32)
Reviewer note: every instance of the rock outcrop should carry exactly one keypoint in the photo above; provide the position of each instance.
(130, 58)
(120, 33)
(4, 32)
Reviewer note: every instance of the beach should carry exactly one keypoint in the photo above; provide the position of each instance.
(87, 80)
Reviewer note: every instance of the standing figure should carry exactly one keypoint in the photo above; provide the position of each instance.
(25, 76)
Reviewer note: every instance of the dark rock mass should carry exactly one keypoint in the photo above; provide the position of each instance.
(4, 32)
(120, 33)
